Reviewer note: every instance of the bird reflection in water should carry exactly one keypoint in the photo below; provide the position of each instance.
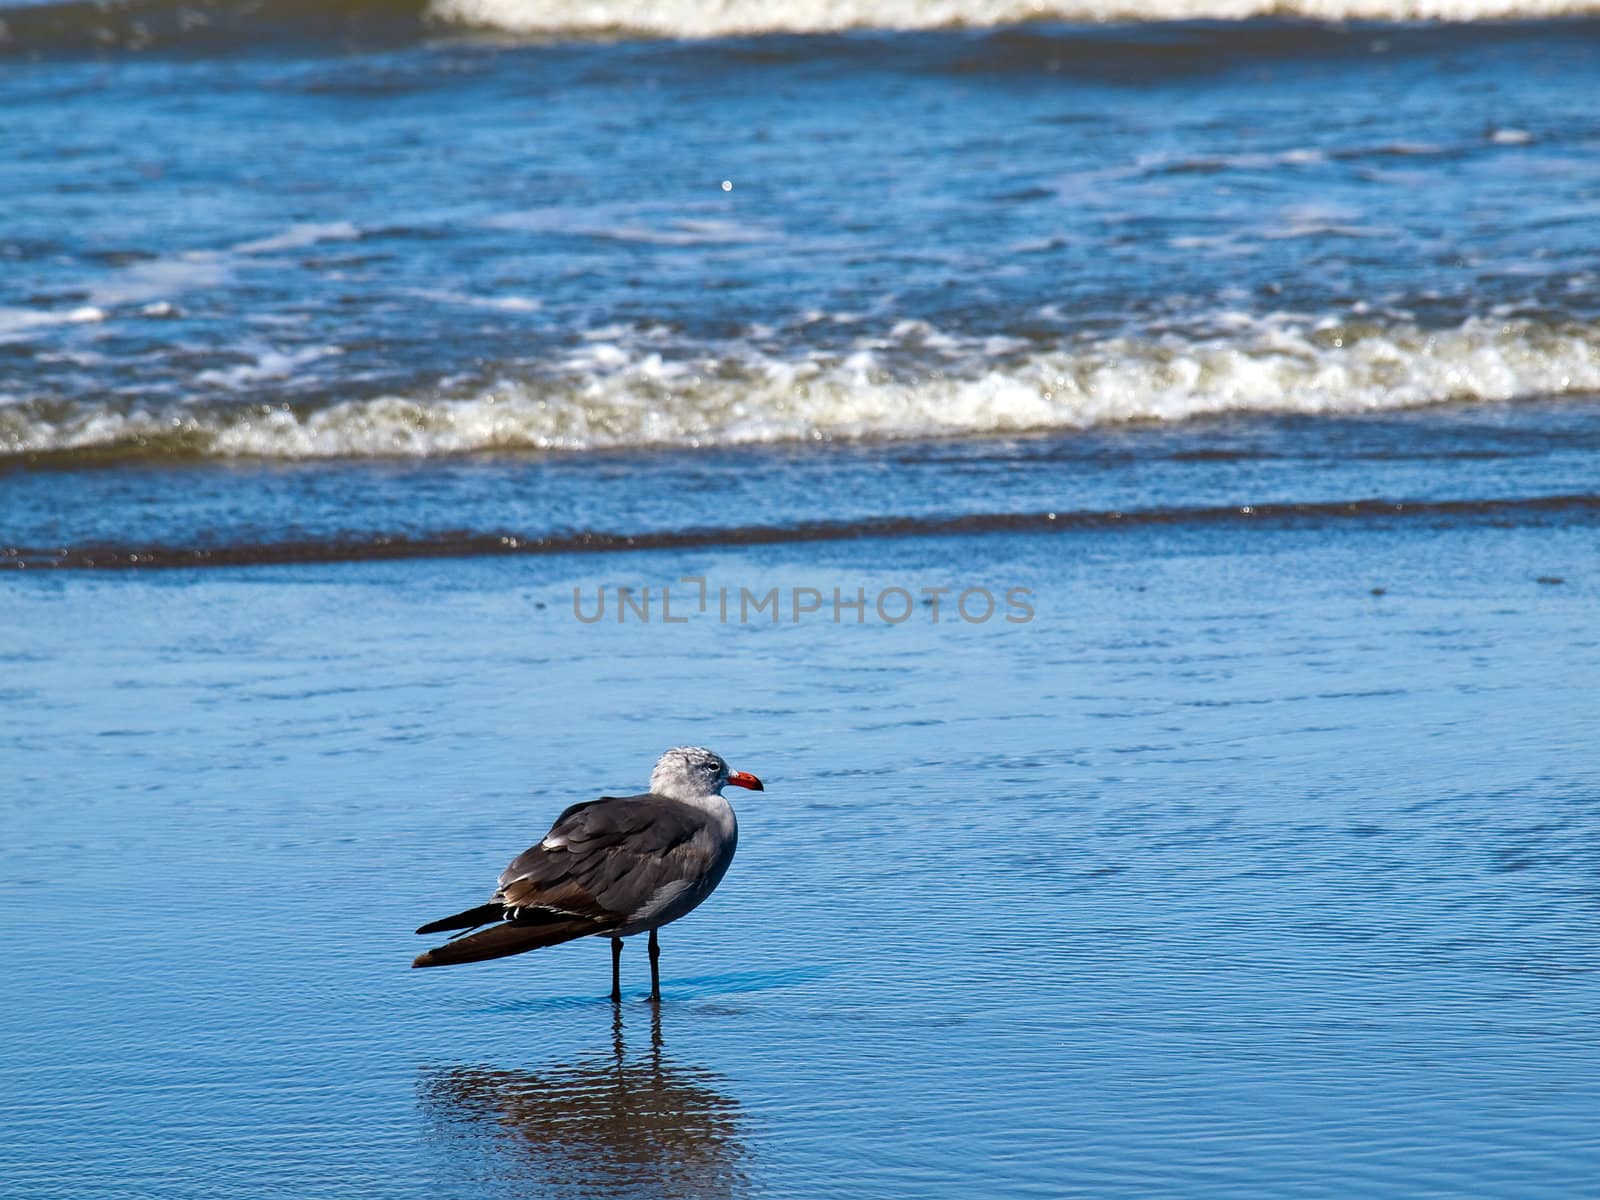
(613, 1125)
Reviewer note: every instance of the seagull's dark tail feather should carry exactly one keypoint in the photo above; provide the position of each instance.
(471, 919)
(509, 938)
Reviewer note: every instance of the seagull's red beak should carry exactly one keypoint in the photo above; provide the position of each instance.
(745, 780)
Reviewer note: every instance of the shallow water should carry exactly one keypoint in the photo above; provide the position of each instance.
(1223, 875)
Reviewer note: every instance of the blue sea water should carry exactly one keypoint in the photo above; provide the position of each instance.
(300, 252)
(348, 355)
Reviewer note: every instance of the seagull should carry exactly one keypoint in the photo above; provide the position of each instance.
(612, 867)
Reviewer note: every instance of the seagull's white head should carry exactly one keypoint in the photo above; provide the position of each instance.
(693, 773)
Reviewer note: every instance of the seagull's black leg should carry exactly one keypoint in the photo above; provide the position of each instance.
(655, 968)
(616, 970)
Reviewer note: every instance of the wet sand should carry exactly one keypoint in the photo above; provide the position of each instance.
(1254, 864)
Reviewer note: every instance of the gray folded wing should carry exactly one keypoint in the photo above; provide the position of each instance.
(608, 858)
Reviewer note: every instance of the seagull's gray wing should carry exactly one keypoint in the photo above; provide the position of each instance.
(609, 858)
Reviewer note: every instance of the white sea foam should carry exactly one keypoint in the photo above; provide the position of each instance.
(508, 304)
(736, 18)
(918, 382)
(150, 284)
(19, 322)
(267, 365)
(631, 223)
(161, 279)
(298, 237)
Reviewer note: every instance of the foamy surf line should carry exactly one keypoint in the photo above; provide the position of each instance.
(910, 382)
(98, 27)
(753, 18)
(1519, 510)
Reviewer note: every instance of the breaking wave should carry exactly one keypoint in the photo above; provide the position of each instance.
(227, 26)
(747, 18)
(915, 382)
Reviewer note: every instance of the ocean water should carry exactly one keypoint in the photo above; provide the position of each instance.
(1125, 476)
